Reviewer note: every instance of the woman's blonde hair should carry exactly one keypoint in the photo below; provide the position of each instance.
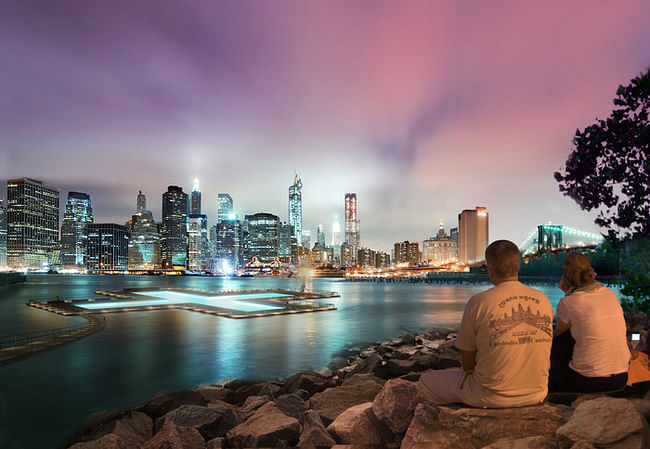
(577, 270)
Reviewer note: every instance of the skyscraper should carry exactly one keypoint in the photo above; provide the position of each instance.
(295, 208)
(225, 209)
(3, 233)
(473, 236)
(439, 249)
(196, 198)
(108, 247)
(228, 245)
(262, 236)
(407, 253)
(352, 235)
(197, 242)
(32, 223)
(336, 239)
(141, 203)
(74, 230)
(320, 235)
(144, 244)
(174, 228)
(286, 242)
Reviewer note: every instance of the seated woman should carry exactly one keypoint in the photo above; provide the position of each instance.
(590, 351)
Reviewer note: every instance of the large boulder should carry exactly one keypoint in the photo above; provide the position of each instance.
(333, 401)
(607, 423)
(537, 442)
(372, 364)
(395, 403)
(108, 441)
(310, 381)
(172, 436)
(452, 428)
(358, 425)
(291, 405)
(211, 422)
(314, 433)
(212, 392)
(267, 427)
(253, 403)
(164, 402)
(131, 428)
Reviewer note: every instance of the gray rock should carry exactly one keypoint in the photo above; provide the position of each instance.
(211, 422)
(291, 405)
(607, 422)
(109, 441)
(395, 403)
(643, 407)
(172, 436)
(333, 401)
(358, 425)
(311, 381)
(269, 389)
(475, 428)
(267, 427)
(314, 433)
(356, 379)
(372, 364)
(537, 442)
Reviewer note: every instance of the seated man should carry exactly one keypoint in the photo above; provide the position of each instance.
(505, 342)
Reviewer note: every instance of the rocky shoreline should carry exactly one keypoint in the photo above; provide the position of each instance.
(367, 396)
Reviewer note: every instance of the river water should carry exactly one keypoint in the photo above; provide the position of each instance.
(46, 397)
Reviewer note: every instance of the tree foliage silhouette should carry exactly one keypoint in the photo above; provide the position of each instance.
(608, 169)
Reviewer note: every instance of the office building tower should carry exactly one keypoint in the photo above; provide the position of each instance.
(453, 235)
(3, 234)
(108, 247)
(320, 235)
(366, 257)
(195, 208)
(174, 228)
(225, 209)
(262, 236)
(141, 202)
(407, 253)
(346, 255)
(286, 242)
(382, 260)
(439, 249)
(295, 208)
(306, 238)
(197, 242)
(228, 237)
(74, 230)
(32, 224)
(473, 236)
(352, 235)
(212, 247)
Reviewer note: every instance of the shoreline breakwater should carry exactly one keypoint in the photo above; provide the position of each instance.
(367, 395)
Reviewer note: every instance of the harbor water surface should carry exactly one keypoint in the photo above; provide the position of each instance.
(46, 397)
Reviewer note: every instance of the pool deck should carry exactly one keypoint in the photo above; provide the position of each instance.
(278, 302)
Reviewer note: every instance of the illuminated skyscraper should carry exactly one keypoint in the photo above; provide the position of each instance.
(407, 253)
(295, 208)
(197, 242)
(336, 239)
(196, 198)
(225, 209)
(228, 245)
(3, 233)
(142, 202)
(352, 235)
(261, 232)
(32, 223)
(473, 236)
(174, 228)
(320, 235)
(74, 230)
(306, 238)
(286, 242)
(108, 247)
(144, 244)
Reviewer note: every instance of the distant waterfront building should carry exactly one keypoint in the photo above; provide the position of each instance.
(195, 208)
(366, 257)
(212, 247)
(453, 235)
(108, 247)
(320, 235)
(295, 208)
(286, 242)
(352, 234)
(382, 260)
(197, 242)
(141, 202)
(407, 253)
(346, 255)
(336, 238)
(306, 238)
(225, 209)
(261, 231)
(174, 228)
(32, 223)
(228, 246)
(439, 249)
(3, 233)
(473, 236)
(318, 255)
(74, 230)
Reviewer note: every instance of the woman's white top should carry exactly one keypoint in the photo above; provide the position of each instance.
(596, 320)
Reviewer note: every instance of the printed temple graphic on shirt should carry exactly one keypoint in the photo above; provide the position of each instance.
(522, 326)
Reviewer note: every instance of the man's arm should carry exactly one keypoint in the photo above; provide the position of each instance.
(468, 360)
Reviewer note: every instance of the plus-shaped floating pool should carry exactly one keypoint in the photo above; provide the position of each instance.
(231, 304)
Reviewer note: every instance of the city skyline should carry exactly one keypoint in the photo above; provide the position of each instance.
(422, 110)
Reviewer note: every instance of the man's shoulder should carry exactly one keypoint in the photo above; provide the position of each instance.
(508, 289)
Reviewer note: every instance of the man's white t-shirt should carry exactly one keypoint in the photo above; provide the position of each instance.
(597, 324)
(510, 327)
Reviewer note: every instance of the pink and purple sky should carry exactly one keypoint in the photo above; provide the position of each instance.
(421, 108)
